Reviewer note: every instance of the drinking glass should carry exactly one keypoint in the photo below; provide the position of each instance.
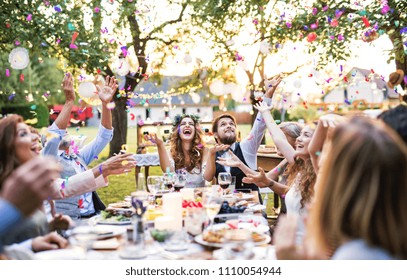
(224, 179)
(154, 185)
(137, 249)
(238, 244)
(180, 180)
(169, 180)
(212, 202)
(84, 237)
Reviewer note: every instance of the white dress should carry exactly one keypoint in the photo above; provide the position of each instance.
(293, 204)
(195, 178)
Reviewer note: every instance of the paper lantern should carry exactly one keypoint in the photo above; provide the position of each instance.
(195, 98)
(297, 83)
(88, 92)
(19, 58)
(217, 87)
(122, 67)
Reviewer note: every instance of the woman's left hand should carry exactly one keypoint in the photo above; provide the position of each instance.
(107, 91)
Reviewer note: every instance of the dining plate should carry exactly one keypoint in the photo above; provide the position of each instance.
(61, 254)
(238, 196)
(199, 239)
(98, 219)
(106, 231)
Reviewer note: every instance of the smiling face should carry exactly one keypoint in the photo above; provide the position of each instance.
(26, 143)
(302, 142)
(226, 131)
(186, 129)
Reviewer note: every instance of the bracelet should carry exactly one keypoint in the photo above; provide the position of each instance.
(100, 169)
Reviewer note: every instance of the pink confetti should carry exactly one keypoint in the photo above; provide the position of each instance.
(17, 43)
(96, 9)
(7, 73)
(29, 17)
(250, 137)
(74, 36)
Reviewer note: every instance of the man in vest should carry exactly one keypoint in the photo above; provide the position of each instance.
(224, 130)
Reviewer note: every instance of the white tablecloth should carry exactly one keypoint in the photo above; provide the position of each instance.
(147, 159)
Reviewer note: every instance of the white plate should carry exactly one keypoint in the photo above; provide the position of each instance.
(61, 254)
(259, 228)
(260, 253)
(256, 207)
(199, 239)
(105, 231)
(245, 196)
(99, 220)
(107, 244)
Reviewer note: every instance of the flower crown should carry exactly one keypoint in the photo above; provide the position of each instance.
(178, 118)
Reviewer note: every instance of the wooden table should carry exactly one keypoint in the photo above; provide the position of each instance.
(268, 161)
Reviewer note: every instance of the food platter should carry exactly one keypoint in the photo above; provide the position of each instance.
(110, 221)
(238, 196)
(199, 239)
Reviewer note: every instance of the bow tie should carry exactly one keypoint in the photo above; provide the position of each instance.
(70, 156)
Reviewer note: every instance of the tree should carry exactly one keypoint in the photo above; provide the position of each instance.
(331, 26)
(241, 26)
(80, 37)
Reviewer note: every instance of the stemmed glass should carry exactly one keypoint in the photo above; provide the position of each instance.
(224, 180)
(211, 201)
(169, 180)
(139, 201)
(180, 180)
(154, 185)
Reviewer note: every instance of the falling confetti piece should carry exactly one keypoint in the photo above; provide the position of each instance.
(96, 9)
(22, 77)
(124, 147)
(365, 21)
(57, 8)
(33, 107)
(132, 116)
(7, 73)
(311, 37)
(74, 36)
(29, 17)
(250, 137)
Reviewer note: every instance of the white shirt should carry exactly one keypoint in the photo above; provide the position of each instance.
(252, 142)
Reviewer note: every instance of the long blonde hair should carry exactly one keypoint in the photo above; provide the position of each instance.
(362, 189)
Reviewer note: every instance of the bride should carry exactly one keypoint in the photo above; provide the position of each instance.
(187, 150)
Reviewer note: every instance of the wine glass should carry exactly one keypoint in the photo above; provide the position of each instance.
(224, 180)
(212, 202)
(180, 180)
(137, 249)
(154, 185)
(169, 180)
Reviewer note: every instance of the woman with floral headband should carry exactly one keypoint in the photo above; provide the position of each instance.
(187, 151)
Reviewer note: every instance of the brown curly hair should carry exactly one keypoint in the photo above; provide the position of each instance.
(307, 180)
(195, 153)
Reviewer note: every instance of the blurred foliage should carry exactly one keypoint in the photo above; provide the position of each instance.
(308, 114)
(35, 115)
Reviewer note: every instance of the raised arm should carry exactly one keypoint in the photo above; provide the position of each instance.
(210, 169)
(262, 181)
(318, 139)
(64, 116)
(165, 162)
(279, 138)
(106, 95)
(234, 161)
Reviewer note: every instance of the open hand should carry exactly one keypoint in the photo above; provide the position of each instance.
(260, 179)
(218, 147)
(67, 85)
(60, 222)
(263, 107)
(232, 161)
(270, 85)
(119, 164)
(107, 91)
(153, 139)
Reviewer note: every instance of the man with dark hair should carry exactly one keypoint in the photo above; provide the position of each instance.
(224, 130)
(396, 118)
